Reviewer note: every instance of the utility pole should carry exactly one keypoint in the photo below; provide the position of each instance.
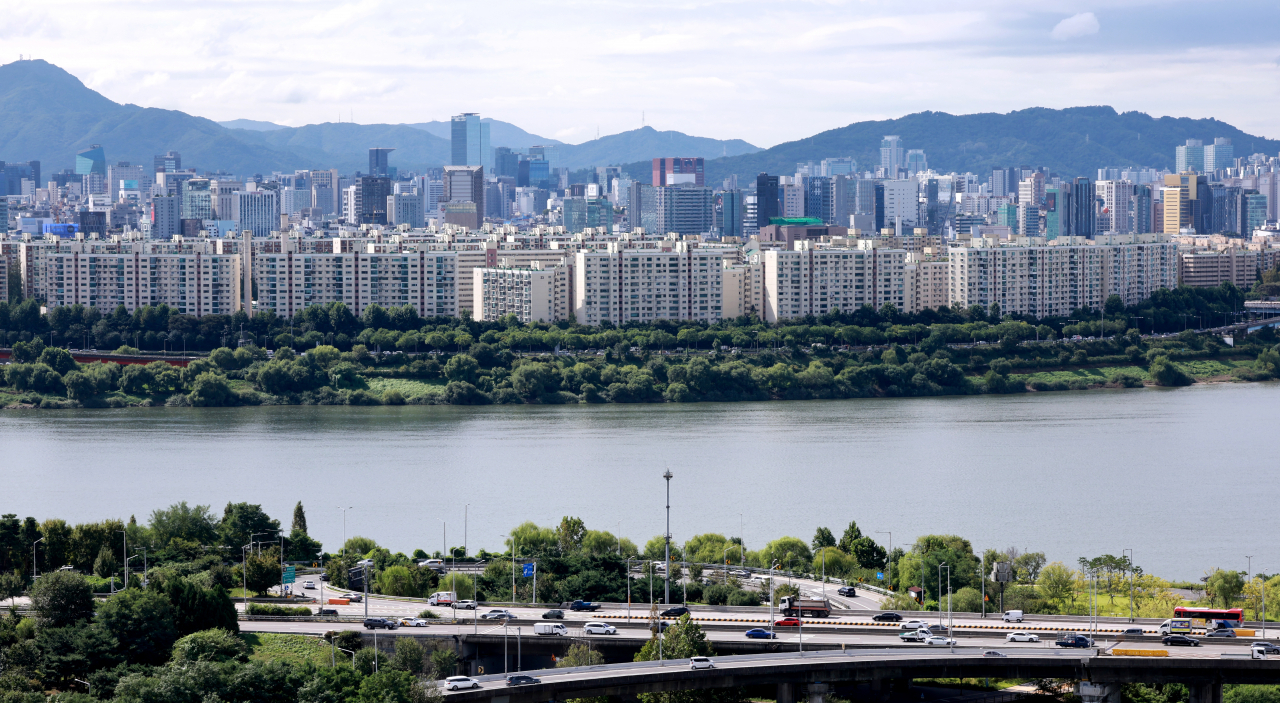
(666, 597)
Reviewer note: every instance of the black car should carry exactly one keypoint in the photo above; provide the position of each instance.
(847, 591)
(327, 611)
(675, 612)
(887, 617)
(1180, 641)
(553, 615)
(661, 626)
(324, 577)
(380, 624)
(521, 680)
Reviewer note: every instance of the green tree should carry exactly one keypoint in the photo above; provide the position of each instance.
(462, 368)
(105, 565)
(61, 598)
(210, 390)
(1028, 566)
(241, 521)
(12, 584)
(788, 552)
(197, 524)
(868, 554)
(410, 656)
(1225, 586)
(851, 535)
(1168, 373)
(579, 654)
(1056, 583)
(570, 533)
(398, 581)
(215, 645)
(262, 571)
(142, 622)
(299, 519)
(359, 545)
(823, 538)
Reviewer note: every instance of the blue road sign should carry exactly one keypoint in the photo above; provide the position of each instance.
(528, 570)
(880, 575)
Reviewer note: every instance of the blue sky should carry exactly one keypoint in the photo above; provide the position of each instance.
(767, 72)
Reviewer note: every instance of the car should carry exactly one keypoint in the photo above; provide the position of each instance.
(327, 611)
(1133, 632)
(1076, 641)
(701, 663)
(787, 622)
(674, 612)
(584, 606)
(1179, 641)
(915, 635)
(1012, 616)
(913, 625)
(1266, 647)
(1225, 632)
(660, 627)
(457, 683)
(887, 617)
(521, 680)
(380, 624)
(937, 628)
(847, 591)
(309, 584)
(553, 615)
(498, 614)
(1021, 636)
(413, 622)
(599, 628)
(465, 605)
(993, 653)
(354, 597)
(759, 633)
(324, 577)
(939, 639)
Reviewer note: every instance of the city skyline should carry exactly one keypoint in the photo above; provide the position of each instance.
(731, 78)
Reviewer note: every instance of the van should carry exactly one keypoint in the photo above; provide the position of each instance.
(442, 598)
(550, 628)
(1012, 616)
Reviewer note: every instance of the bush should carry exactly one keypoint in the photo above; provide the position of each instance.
(1167, 373)
(428, 615)
(1124, 379)
(210, 646)
(278, 610)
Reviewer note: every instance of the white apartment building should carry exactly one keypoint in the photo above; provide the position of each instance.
(1036, 277)
(257, 211)
(1116, 215)
(192, 278)
(289, 281)
(620, 284)
(539, 292)
(929, 284)
(813, 281)
(901, 203)
(405, 209)
(743, 289)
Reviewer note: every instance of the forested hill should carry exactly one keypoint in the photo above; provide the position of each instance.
(1071, 142)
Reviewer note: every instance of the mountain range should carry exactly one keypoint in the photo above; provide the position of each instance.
(1071, 142)
(48, 114)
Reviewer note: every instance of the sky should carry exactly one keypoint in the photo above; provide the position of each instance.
(766, 72)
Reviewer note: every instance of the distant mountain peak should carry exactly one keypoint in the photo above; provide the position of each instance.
(252, 125)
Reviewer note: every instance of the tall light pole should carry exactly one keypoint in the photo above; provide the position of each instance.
(465, 510)
(1248, 575)
(344, 529)
(124, 552)
(33, 558)
(666, 572)
(1130, 551)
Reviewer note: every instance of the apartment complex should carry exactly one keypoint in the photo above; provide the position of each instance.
(619, 284)
(1206, 269)
(539, 292)
(1037, 277)
(191, 277)
(810, 280)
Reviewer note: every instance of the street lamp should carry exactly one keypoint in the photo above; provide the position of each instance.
(344, 527)
(465, 510)
(33, 558)
(1130, 551)
(950, 619)
(666, 572)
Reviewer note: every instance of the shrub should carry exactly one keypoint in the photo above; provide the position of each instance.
(214, 645)
(278, 610)
(1125, 379)
(1168, 373)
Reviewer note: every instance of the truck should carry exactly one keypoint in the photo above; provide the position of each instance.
(550, 628)
(1071, 639)
(442, 598)
(1176, 626)
(793, 606)
(582, 605)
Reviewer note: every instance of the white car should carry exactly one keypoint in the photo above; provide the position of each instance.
(413, 622)
(309, 584)
(1021, 637)
(914, 625)
(599, 628)
(701, 663)
(939, 639)
(454, 683)
(465, 605)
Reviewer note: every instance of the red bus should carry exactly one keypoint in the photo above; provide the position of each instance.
(1200, 617)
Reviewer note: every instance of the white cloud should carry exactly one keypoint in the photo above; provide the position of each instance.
(1081, 25)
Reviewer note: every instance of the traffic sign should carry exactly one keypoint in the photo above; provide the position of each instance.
(528, 570)
(880, 575)
(290, 575)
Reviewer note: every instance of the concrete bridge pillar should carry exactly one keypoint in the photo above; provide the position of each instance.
(818, 692)
(1102, 692)
(1205, 692)
(786, 693)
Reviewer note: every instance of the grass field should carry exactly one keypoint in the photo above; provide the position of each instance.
(290, 649)
(1200, 368)
(407, 387)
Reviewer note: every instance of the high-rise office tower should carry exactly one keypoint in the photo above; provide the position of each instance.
(378, 161)
(767, 205)
(15, 172)
(507, 163)
(197, 200)
(678, 171)
(374, 192)
(469, 141)
(916, 161)
(1084, 208)
(326, 193)
(839, 166)
(166, 216)
(168, 162)
(730, 213)
(257, 211)
(642, 207)
(1190, 157)
(892, 156)
(1116, 215)
(464, 195)
(817, 199)
(1219, 155)
(91, 166)
(1141, 207)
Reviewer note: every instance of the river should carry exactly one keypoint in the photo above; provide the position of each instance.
(1183, 477)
